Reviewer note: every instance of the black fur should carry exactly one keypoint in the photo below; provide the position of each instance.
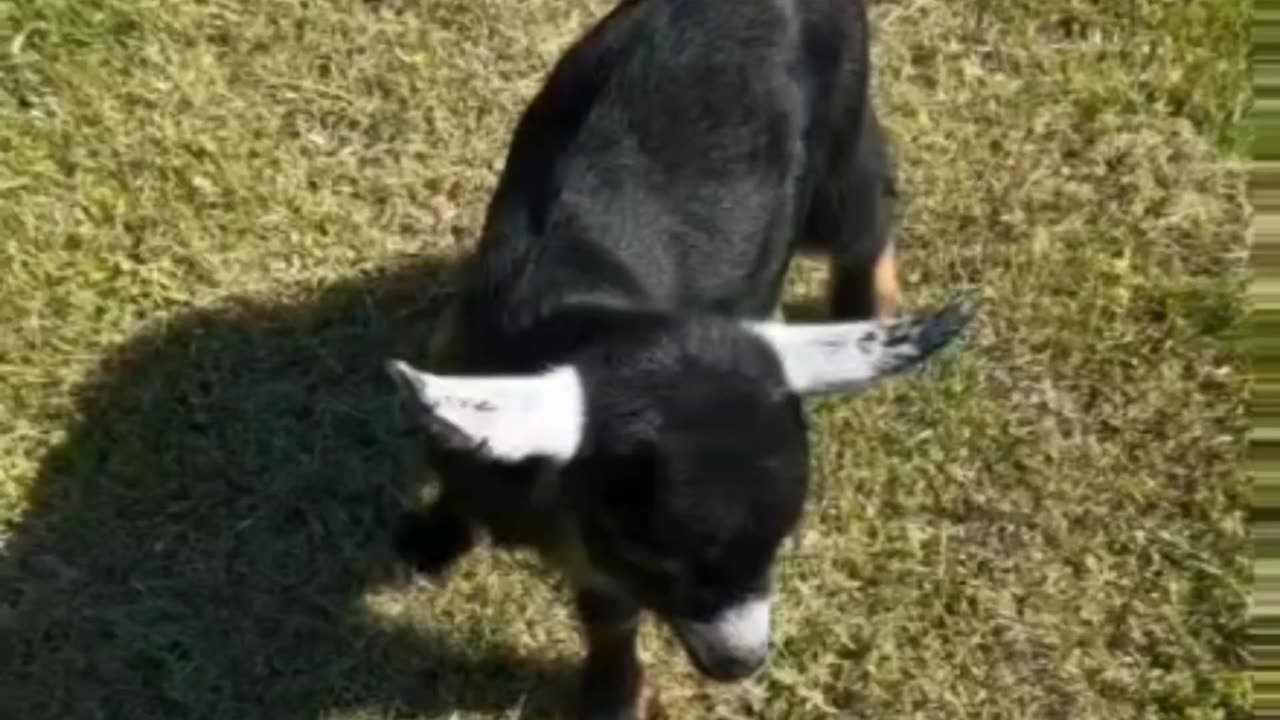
(706, 474)
(655, 192)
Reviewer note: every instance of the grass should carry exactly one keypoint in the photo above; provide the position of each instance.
(217, 217)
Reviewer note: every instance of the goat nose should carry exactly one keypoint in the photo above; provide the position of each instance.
(732, 645)
(731, 667)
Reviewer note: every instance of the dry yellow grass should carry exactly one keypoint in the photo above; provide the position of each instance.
(217, 217)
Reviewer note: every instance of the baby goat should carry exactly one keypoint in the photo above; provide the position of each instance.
(611, 390)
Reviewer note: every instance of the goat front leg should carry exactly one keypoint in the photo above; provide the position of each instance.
(433, 540)
(611, 674)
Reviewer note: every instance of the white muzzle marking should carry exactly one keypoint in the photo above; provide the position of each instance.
(732, 645)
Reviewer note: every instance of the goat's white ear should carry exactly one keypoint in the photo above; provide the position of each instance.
(505, 418)
(837, 357)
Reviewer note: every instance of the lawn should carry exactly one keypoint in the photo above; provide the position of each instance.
(218, 216)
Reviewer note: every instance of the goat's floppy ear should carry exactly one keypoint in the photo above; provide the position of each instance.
(504, 418)
(837, 357)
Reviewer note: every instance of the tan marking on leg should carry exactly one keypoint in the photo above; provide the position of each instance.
(888, 293)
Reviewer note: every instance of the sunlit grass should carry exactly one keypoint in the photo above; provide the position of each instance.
(217, 217)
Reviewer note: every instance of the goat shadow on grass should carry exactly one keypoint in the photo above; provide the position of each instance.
(200, 543)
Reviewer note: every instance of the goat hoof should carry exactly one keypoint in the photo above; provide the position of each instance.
(630, 713)
(646, 707)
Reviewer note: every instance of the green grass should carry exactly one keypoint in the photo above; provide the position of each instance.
(217, 217)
